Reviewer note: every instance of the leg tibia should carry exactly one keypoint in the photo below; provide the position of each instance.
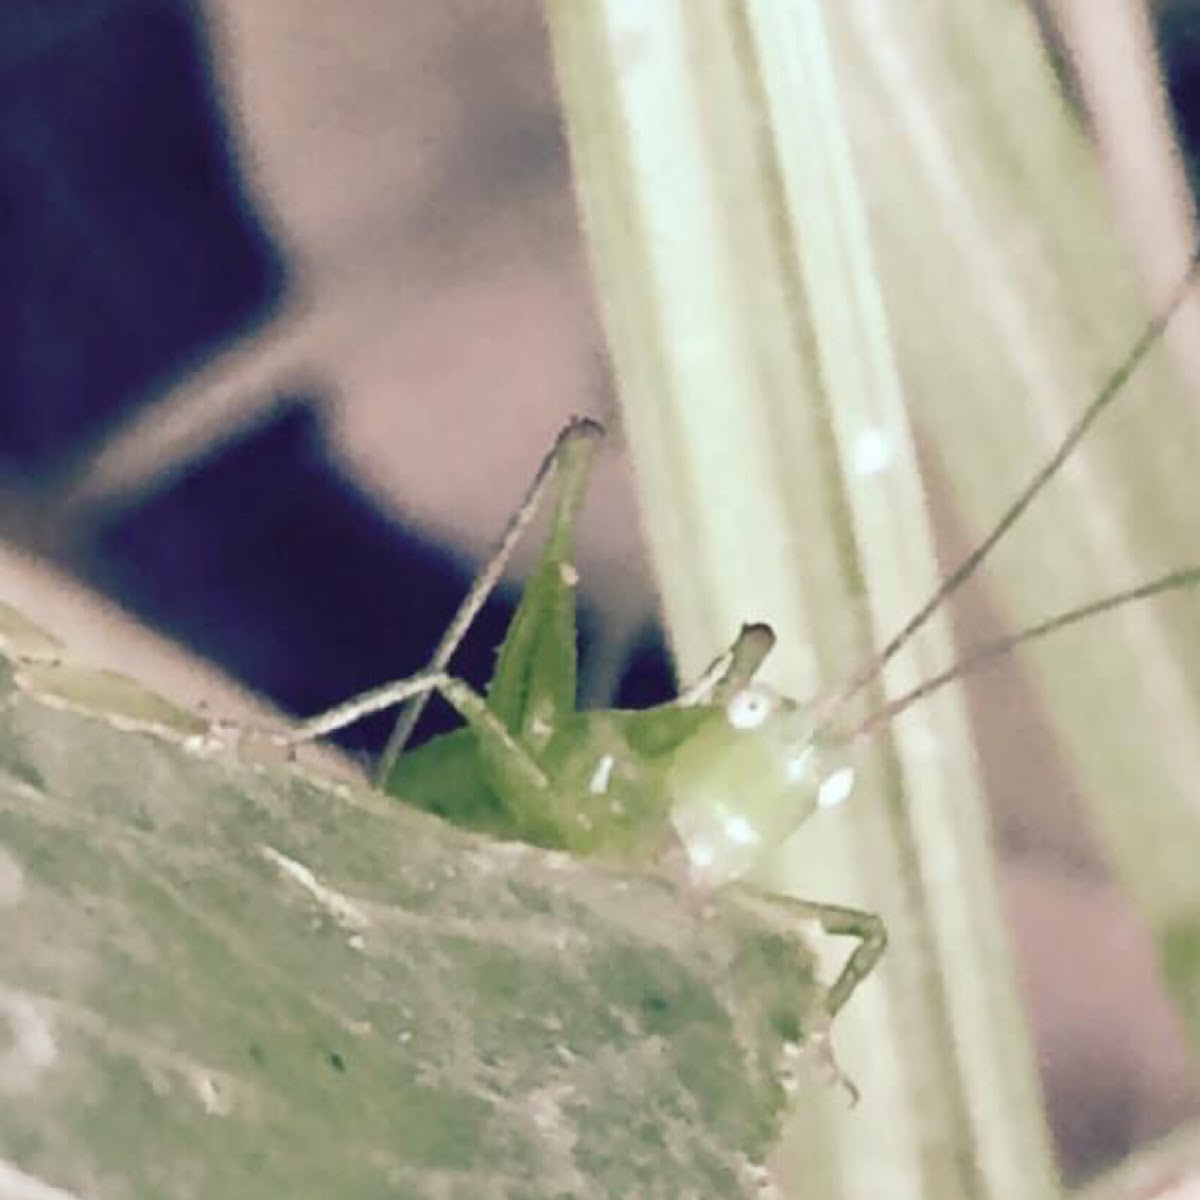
(514, 767)
(378, 699)
(867, 928)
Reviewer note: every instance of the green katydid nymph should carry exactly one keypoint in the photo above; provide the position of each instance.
(705, 785)
(708, 784)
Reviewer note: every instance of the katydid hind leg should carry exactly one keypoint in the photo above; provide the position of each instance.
(579, 430)
(535, 680)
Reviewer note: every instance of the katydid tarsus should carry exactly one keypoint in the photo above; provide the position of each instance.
(710, 782)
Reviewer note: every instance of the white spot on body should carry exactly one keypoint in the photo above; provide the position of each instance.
(702, 855)
(799, 765)
(341, 908)
(872, 452)
(836, 789)
(12, 879)
(739, 831)
(602, 776)
(568, 574)
(749, 708)
(32, 1049)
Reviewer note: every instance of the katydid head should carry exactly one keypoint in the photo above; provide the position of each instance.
(747, 779)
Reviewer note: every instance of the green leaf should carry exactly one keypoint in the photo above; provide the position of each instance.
(222, 977)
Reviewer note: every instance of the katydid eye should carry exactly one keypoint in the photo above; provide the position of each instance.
(749, 708)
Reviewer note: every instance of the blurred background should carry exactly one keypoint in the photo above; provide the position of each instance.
(294, 300)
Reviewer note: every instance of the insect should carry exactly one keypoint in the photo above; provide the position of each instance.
(705, 785)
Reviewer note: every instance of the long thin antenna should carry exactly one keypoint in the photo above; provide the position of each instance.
(483, 586)
(985, 653)
(1112, 388)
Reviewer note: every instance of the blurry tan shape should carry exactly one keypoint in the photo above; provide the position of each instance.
(441, 306)
(431, 219)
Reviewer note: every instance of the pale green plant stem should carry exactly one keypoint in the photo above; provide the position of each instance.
(751, 350)
(1007, 321)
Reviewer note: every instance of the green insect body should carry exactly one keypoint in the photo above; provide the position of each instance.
(729, 781)
(727, 775)
(708, 784)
